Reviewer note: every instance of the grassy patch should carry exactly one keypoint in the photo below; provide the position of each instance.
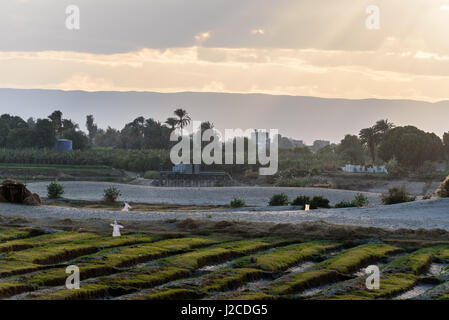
(32, 259)
(124, 257)
(87, 291)
(12, 234)
(280, 259)
(8, 289)
(199, 258)
(304, 280)
(390, 285)
(352, 259)
(47, 239)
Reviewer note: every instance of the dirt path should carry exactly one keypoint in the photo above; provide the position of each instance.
(429, 214)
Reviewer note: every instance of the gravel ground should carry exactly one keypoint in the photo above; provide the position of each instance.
(420, 214)
(253, 196)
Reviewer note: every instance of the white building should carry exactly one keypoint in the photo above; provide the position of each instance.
(363, 169)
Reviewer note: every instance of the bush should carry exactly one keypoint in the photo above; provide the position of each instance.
(237, 203)
(345, 204)
(396, 195)
(54, 190)
(301, 201)
(151, 174)
(319, 202)
(360, 200)
(111, 194)
(443, 190)
(394, 169)
(278, 200)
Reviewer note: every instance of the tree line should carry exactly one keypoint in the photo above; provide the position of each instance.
(141, 133)
(378, 144)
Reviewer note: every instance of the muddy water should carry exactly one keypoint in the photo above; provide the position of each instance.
(435, 269)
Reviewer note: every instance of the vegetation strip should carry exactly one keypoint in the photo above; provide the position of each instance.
(280, 259)
(141, 278)
(400, 275)
(33, 259)
(47, 239)
(333, 269)
(13, 234)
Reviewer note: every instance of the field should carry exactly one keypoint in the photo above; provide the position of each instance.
(31, 172)
(183, 265)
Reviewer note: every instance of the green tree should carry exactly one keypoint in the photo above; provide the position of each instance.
(56, 120)
(109, 138)
(79, 139)
(370, 137)
(44, 136)
(411, 147)
(446, 144)
(183, 119)
(91, 128)
(172, 123)
(351, 149)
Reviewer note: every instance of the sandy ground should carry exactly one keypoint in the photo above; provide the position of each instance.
(253, 196)
(429, 214)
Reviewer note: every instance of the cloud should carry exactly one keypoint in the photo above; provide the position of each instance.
(385, 73)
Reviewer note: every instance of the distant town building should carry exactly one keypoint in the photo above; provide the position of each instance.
(319, 144)
(285, 142)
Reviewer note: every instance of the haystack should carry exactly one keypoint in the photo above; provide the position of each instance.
(15, 192)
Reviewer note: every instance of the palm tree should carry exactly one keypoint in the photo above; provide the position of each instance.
(370, 137)
(382, 126)
(172, 122)
(183, 119)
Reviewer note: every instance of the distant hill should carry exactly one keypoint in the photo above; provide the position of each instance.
(304, 118)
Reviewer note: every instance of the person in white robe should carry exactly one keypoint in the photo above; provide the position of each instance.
(127, 207)
(116, 229)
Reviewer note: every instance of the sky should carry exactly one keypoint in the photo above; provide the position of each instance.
(321, 48)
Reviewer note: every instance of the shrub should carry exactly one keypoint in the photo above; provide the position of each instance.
(394, 169)
(345, 204)
(319, 202)
(151, 174)
(360, 200)
(278, 200)
(55, 190)
(111, 194)
(301, 201)
(237, 203)
(396, 195)
(443, 190)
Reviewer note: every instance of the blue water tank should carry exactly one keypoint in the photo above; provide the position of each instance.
(63, 145)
